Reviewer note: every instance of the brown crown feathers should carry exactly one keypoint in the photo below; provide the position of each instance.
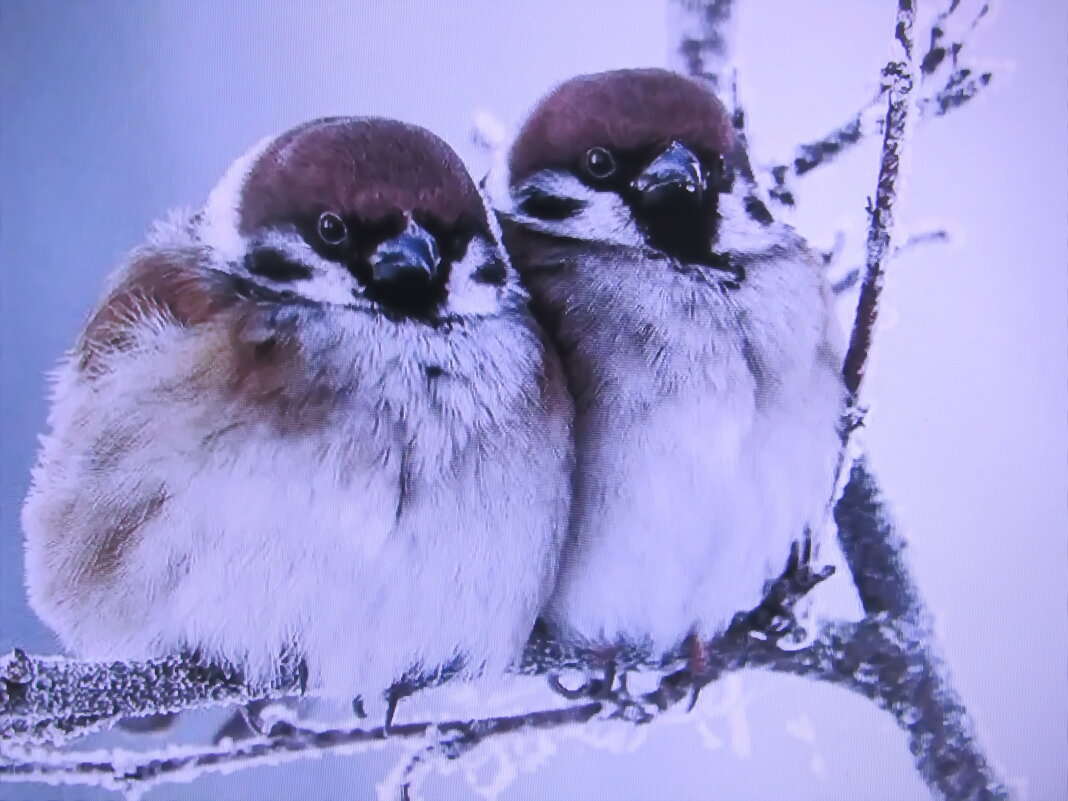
(363, 167)
(622, 110)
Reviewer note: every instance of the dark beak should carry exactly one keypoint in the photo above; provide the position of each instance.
(409, 259)
(672, 176)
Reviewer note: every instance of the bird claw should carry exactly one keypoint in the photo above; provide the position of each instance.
(799, 572)
(398, 691)
(582, 691)
(392, 699)
(774, 617)
(357, 707)
(601, 688)
(697, 664)
(671, 689)
(250, 714)
(295, 666)
(597, 689)
(699, 683)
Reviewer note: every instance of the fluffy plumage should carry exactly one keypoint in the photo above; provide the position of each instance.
(703, 358)
(250, 455)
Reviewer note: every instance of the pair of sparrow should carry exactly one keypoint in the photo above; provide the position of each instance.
(350, 411)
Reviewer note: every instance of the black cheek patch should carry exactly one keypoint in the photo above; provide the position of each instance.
(550, 207)
(275, 265)
(758, 211)
(263, 350)
(249, 290)
(736, 271)
(492, 272)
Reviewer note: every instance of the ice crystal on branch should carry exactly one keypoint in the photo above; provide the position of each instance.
(945, 81)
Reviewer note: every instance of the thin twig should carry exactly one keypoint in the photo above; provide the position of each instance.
(939, 48)
(852, 277)
(902, 77)
(704, 52)
(960, 85)
(284, 743)
(704, 46)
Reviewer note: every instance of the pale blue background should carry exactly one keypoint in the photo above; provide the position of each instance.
(112, 112)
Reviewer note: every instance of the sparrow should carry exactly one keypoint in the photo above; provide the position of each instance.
(701, 350)
(315, 418)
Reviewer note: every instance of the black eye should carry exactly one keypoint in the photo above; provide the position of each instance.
(332, 228)
(599, 162)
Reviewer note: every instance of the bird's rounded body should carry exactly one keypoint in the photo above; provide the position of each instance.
(706, 441)
(249, 472)
(707, 385)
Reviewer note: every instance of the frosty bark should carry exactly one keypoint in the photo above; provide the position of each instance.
(900, 75)
(49, 699)
(285, 743)
(887, 657)
(851, 278)
(704, 41)
(959, 84)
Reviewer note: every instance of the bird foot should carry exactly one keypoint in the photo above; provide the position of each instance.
(773, 619)
(400, 690)
(582, 691)
(688, 681)
(697, 663)
(597, 688)
(671, 689)
(601, 687)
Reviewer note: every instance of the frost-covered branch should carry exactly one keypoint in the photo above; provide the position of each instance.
(705, 32)
(945, 42)
(887, 657)
(704, 50)
(703, 47)
(48, 699)
(901, 77)
(852, 277)
(285, 742)
(940, 67)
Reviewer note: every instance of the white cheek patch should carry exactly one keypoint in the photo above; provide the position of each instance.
(329, 282)
(466, 296)
(220, 216)
(738, 230)
(599, 216)
(609, 219)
